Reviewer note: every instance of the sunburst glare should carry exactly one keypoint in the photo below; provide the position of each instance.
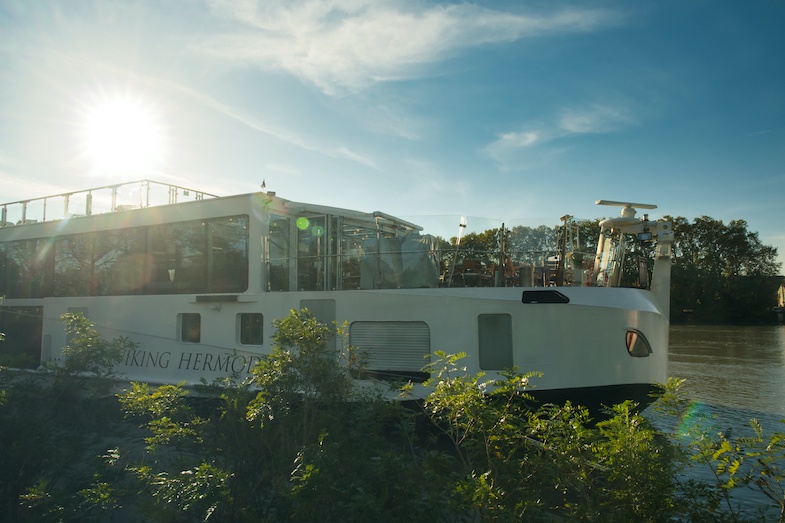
(123, 135)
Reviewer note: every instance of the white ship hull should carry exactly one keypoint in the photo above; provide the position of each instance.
(592, 344)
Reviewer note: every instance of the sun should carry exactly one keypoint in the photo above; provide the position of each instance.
(123, 135)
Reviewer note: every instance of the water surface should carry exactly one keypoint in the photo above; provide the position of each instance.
(733, 374)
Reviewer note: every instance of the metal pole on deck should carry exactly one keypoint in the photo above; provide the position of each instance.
(461, 228)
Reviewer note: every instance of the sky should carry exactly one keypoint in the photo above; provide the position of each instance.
(503, 111)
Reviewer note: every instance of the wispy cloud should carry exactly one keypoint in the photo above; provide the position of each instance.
(538, 143)
(348, 45)
(595, 119)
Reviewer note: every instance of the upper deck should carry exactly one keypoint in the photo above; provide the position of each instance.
(146, 237)
(176, 239)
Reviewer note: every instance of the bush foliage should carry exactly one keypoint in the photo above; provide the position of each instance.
(298, 441)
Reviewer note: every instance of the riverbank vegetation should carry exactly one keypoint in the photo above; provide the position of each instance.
(299, 442)
(721, 273)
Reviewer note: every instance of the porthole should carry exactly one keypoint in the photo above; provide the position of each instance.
(637, 344)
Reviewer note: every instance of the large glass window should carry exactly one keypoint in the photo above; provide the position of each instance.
(311, 253)
(279, 251)
(26, 269)
(187, 257)
(122, 262)
(177, 255)
(353, 236)
(74, 264)
(227, 260)
(101, 263)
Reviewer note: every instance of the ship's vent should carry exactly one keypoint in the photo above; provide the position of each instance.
(395, 346)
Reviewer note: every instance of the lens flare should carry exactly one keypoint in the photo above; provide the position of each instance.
(122, 134)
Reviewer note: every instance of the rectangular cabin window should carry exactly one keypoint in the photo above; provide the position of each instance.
(190, 327)
(251, 328)
(495, 341)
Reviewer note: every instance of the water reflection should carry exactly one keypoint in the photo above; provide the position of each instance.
(736, 367)
(733, 374)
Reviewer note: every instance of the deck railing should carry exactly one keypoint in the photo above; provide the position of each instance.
(108, 198)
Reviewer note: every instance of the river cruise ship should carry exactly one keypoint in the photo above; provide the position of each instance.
(196, 281)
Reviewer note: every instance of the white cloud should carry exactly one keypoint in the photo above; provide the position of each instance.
(534, 147)
(517, 140)
(344, 152)
(595, 119)
(348, 45)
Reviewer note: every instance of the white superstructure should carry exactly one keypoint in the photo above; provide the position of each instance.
(197, 280)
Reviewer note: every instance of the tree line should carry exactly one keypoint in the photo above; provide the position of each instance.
(721, 273)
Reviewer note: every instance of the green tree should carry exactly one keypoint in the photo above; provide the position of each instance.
(519, 462)
(532, 245)
(722, 273)
(482, 246)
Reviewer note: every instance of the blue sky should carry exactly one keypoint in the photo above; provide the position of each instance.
(513, 111)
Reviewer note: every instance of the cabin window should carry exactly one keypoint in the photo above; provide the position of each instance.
(495, 341)
(637, 344)
(251, 328)
(190, 327)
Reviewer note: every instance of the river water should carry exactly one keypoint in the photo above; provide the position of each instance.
(733, 374)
